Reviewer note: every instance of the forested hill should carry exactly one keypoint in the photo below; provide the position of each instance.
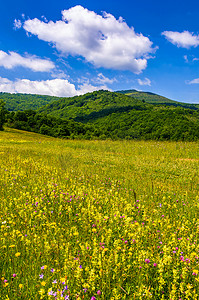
(20, 102)
(91, 106)
(104, 114)
(152, 98)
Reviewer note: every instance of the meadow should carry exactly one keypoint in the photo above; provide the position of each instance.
(98, 219)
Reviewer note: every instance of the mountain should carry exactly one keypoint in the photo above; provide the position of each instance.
(20, 102)
(153, 98)
(103, 114)
(16, 102)
(91, 106)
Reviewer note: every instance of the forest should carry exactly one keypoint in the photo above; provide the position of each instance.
(103, 115)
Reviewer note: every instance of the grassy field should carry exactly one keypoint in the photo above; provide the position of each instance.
(98, 219)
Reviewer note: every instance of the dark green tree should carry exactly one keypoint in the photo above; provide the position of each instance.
(3, 112)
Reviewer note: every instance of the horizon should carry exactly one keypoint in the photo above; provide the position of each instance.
(67, 49)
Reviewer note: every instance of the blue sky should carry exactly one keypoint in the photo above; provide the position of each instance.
(65, 48)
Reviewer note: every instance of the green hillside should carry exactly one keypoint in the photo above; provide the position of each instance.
(91, 106)
(15, 102)
(104, 114)
(152, 98)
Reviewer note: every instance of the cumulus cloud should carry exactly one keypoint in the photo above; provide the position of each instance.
(145, 81)
(53, 87)
(13, 59)
(102, 40)
(183, 39)
(17, 24)
(103, 79)
(194, 81)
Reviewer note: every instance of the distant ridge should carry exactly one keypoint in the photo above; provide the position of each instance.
(114, 115)
(153, 98)
(19, 101)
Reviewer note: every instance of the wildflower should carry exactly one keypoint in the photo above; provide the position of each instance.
(43, 283)
(50, 293)
(55, 281)
(52, 270)
(20, 286)
(93, 298)
(42, 291)
(41, 276)
(155, 265)
(147, 261)
(99, 293)
(17, 254)
(14, 275)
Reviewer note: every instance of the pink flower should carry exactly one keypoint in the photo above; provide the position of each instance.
(14, 275)
(155, 265)
(99, 293)
(147, 261)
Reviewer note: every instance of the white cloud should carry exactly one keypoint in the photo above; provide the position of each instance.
(194, 81)
(53, 87)
(186, 58)
(17, 24)
(13, 59)
(103, 79)
(144, 81)
(102, 40)
(183, 39)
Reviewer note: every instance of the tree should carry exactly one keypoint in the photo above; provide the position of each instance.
(2, 114)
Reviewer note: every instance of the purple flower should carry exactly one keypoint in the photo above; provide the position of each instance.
(42, 268)
(147, 261)
(155, 265)
(14, 275)
(93, 298)
(41, 276)
(52, 270)
(80, 266)
(55, 281)
(50, 293)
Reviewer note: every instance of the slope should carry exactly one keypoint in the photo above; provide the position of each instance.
(153, 98)
(91, 106)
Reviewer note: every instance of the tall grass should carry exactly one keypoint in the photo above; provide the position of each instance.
(98, 219)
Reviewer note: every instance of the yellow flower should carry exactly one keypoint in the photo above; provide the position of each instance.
(43, 283)
(20, 286)
(42, 291)
(17, 254)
